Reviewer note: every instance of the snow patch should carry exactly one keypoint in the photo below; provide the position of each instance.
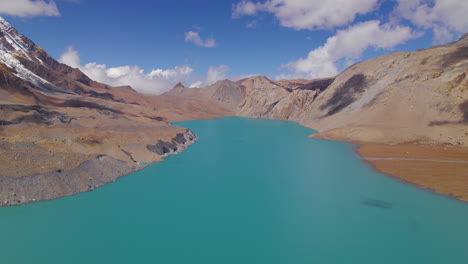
(14, 39)
(20, 71)
(20, 48)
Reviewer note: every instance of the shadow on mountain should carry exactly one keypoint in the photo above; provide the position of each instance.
(345, 95)
(463, 108)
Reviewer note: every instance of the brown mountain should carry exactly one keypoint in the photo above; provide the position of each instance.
(226, 93)
(400, 97)
(63, 133)
(277, 100)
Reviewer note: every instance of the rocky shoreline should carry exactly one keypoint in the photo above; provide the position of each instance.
(87, 176)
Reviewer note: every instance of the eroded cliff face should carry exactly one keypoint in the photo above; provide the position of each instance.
(402, 97)
(281, 100)
(262, 96)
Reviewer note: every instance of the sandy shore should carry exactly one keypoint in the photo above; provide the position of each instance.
(443, 169)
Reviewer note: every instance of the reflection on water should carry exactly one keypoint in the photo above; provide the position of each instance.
(377, 203)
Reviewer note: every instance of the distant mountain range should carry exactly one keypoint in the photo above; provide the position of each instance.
(419, 96)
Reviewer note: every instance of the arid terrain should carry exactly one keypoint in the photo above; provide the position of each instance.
(441, 168)
(62, 133)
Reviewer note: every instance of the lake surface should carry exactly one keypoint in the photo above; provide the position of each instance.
(250, 191)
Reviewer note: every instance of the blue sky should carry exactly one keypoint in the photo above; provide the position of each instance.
(199, 42)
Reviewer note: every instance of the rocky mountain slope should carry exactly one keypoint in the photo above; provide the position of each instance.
(401, 97)
(226, 93)
(63, 133)
(270, 99)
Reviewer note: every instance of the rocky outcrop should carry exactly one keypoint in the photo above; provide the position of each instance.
(262, 97)
(294, 105)
(177, 144)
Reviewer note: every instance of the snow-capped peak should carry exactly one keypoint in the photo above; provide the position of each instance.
(4, 25)
(13, 42)
(13, 45)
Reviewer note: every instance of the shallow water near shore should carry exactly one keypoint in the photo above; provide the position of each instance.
(250, 191)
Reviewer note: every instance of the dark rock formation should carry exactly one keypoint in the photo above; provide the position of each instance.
(176, 144)
(320, 84)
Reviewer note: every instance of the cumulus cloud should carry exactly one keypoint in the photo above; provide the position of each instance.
(217, 73)
(308, 14)
(28, 8)
(194, 37)
(442, 34)
(157, 81)
(347, 45)
(252, 24)
(447, 18)
(214, 74)
(71, 58)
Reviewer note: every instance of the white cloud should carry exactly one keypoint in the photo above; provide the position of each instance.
(447, 18)
(214, 74)
(217, 73)
(247, 8)
(308, 14)
(197, 84)
(442, 34)
(252, 24)
(28, 8)
(349, 45)
(71, 58)
(157, 81)
(194, 37)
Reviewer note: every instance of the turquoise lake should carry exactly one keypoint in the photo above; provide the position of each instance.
(250, 191)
